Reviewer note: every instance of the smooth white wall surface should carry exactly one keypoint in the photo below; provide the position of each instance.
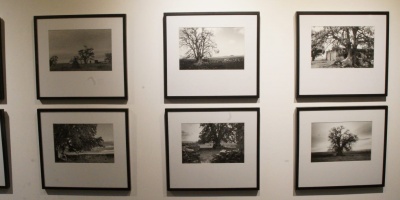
(146, 99)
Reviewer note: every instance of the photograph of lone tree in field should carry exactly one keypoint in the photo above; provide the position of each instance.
(204, 48)
(342, 46)
(84, 143)
(80, 50)
(341, 141)
(212, 142)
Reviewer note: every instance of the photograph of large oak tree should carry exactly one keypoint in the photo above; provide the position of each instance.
(211, 48)
(341, 141)
(212, 142)
(342, 46)
(84, 143)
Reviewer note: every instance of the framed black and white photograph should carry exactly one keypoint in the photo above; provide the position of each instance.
(219, 145)
(4, 164)
(81, 56)
(84, 148)
(341, 147)
(211, 54)
(342, 54)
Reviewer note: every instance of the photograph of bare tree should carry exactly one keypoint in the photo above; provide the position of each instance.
(80, 50)
(208, 48)
(84, 143)
(341, 141)
(212, 142)
(342, 46)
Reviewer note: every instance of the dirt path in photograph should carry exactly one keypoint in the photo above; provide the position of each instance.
(206, 155)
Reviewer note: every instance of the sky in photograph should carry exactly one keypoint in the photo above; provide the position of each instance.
(190, 132)
(229, 40)
(320, 132)
(106, 132)
(66, 43)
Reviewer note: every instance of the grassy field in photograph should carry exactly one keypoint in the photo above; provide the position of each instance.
(82, 67)
(217, 63)
(323, 64)
(91, 158)
(348, 156)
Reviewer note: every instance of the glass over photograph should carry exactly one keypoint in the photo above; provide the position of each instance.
(212, 142)
(341, 141)
(83, 143)
(342, 46)
(211, 48)
(80, 50)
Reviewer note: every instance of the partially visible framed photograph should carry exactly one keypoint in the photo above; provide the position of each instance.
(341, 147)
(2, 61)
(4, 165)
(81, 56)
(342, 54)
(211, 55)
(220, 146)
(84, 148)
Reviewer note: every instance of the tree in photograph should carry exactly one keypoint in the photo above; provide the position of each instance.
(53, 61)
(199, 42)
(86, 54)
(341, 140)
(74, 62)
(226, 132)
(75, 138)
(108, 58)
(316, 51)
(357, 41)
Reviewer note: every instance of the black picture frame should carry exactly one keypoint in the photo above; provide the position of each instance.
(362, 133)
(103, 166)
(4, 164)
(330, 71)
(63, 72)
(2, 60)
(231, 74)
(182, 125)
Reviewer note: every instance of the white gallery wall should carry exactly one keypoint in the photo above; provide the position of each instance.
(146, 101)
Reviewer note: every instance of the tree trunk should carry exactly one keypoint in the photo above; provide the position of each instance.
(217, 145)
(339, 152)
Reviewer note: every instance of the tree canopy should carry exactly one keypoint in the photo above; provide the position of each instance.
(341, 140)
(108, 58)
(75, 138)
(198, 41)
(86, 54)
(358, 42)
(226, 132)
(53, 61)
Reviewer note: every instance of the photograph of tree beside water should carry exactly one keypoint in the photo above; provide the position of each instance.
(211, 48)
(80, 50)
(342, 46)
(212, 142)
(341, 141)
(84, 143)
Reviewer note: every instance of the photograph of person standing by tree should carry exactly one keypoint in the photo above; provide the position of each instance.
(80, 50)
(84, 143)
(213, 143)
(342, 46)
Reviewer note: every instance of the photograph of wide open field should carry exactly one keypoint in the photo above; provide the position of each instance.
(212, 142)
(342, 46)
(341, 141)
(84, 143)
(211, 48)
(80, 50)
